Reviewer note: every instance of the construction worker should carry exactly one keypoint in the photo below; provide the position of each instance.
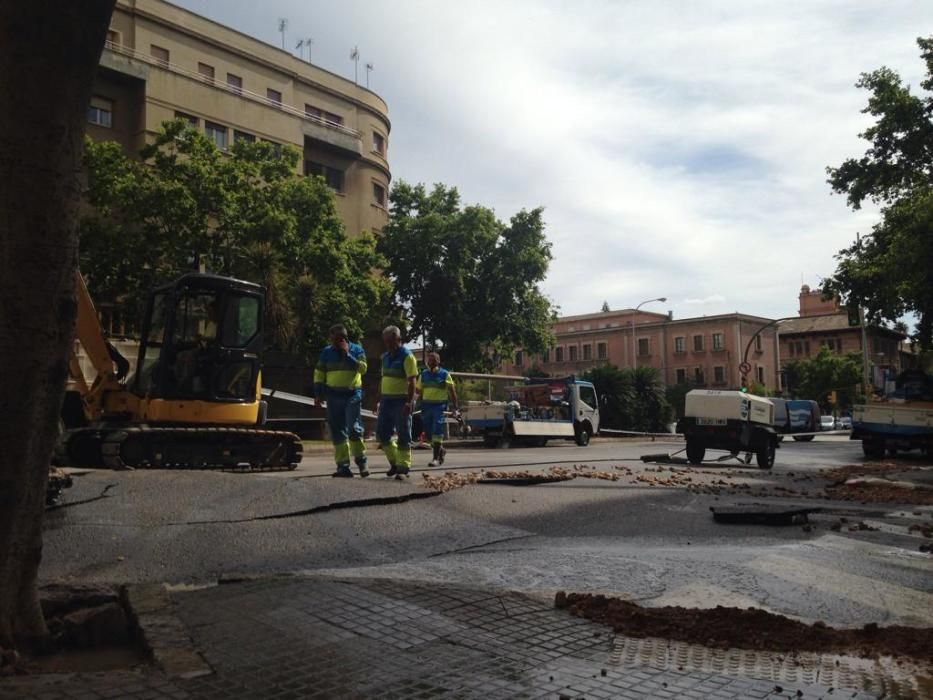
(435, 387)
(396, 394)
(338, 379)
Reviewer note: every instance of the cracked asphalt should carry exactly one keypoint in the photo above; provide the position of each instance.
(654, 543)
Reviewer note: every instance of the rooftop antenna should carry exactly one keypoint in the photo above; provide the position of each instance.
(369, 69)
(299, 45)
(283, 25)
(355, 57)
(308, 42)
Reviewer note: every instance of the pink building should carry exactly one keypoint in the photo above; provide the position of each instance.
(705, 350)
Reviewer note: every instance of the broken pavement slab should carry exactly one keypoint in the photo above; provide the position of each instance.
(163, 633)
(756, 514)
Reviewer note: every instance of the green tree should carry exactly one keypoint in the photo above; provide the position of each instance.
(243, 213)
(676, 396)
(466, 281)
(631, 399)
(815, 377)
(890, 271)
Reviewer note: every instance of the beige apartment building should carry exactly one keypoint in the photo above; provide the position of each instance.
(705, 351)
(161, 62)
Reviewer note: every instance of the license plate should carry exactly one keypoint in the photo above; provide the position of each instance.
(711, 421)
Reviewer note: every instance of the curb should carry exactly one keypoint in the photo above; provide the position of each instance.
(162, 632)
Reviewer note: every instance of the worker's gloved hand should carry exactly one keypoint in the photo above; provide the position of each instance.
(458, 415)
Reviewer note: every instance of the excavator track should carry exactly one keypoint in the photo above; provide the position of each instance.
(158, 447)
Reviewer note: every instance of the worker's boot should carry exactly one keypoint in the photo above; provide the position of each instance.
(437, 458)
(343, 471)
(361, 465)
(441, 453)
(392, 471)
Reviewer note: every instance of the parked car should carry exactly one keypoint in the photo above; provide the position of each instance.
(803, 417)
(827, 423)
(844, 423)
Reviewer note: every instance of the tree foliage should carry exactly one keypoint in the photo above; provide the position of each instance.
(631, 399)
(889, 271)
(243, 213)
(465, 280)
(815, 377)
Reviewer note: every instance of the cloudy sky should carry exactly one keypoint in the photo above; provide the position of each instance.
(679, 148)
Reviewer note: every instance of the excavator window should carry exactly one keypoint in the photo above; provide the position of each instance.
(148, 375)
(241, 323)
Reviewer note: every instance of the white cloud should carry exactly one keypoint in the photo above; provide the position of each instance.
(679, 148)
(711, 299)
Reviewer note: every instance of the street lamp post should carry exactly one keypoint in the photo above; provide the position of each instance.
(647, 301)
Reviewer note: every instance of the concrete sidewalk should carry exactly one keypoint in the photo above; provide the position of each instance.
(295, 638)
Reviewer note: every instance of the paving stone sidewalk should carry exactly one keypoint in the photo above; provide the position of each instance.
(305, 638)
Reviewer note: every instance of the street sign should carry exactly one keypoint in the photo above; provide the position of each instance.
(745, 368)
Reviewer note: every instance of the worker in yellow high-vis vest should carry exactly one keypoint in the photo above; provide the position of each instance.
(396, 394)
(435, 386)
(338, 380)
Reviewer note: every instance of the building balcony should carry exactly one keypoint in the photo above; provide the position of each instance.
(130, 62)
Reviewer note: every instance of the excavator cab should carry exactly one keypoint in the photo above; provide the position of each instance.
(201, 340)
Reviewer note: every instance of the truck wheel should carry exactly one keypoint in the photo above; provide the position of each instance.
(803, 438)
(765, 454)
(582, 436)
(696, 451)
(873, 449)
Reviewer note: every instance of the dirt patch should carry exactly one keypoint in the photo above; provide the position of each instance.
(875, 492)
(750, 628)
(453, 480)
(89, 630)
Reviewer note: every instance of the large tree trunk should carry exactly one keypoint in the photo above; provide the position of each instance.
(49, 52)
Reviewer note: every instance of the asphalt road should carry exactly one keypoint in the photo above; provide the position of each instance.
(648, 536)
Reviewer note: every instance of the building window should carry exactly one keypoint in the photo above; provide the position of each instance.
(558, 354)
(806, 347)
(587, 352)
(602, 351)
(379, 194)
(235, 83)
(573, 353)
(679, 344)
(379, 143)
(519, 358)
(113, 37)
(100, 112)
(190, 118)
(243, 136)
(323, 115)
(159, 54)
(643, 347)
(799, 346)
(698, 375)
(332, 176)
(216, 133)
(717, 341)
(681, 376)
(546, 356)
(719, 375)
(698, 343)
(274, 97)
(761, 375)
(758, 342)
(206, 72)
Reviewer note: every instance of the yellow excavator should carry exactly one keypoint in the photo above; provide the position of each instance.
(194, 400)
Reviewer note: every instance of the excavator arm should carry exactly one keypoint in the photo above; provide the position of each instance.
(109, 365)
